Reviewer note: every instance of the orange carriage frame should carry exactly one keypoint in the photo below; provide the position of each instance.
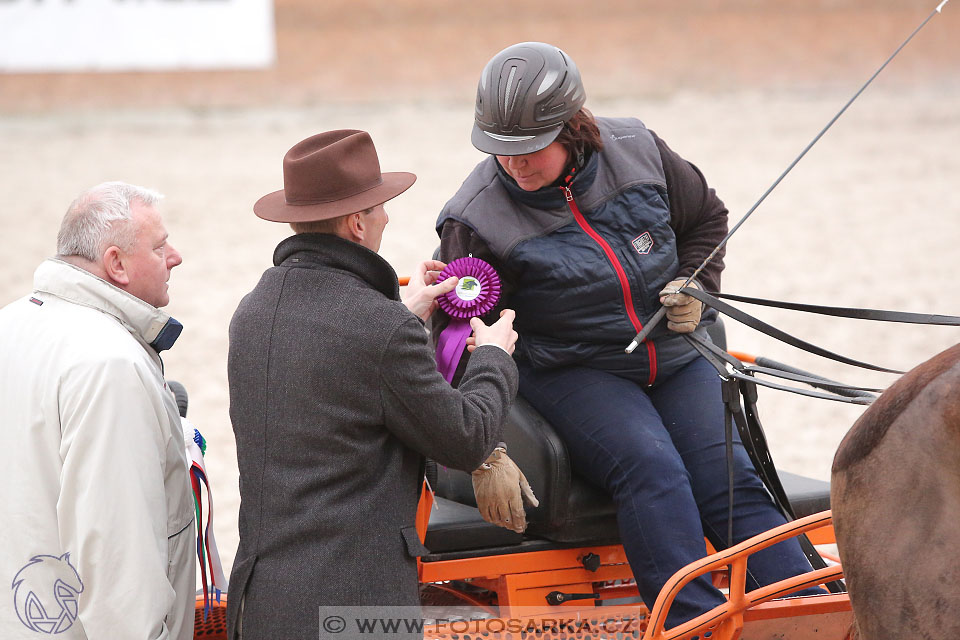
(522, 582)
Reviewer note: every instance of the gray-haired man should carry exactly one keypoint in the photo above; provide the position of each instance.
(99, 531)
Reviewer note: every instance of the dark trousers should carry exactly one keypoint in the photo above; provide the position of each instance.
(660, 453)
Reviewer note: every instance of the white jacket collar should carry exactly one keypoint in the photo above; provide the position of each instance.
(64, 280)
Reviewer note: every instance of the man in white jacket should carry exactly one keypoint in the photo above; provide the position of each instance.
(98, 516)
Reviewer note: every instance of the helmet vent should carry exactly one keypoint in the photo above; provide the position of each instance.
(548, 81)
(509, 94)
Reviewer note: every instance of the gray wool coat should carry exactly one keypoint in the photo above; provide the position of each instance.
(335, 400)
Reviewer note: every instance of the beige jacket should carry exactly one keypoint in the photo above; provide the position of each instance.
(97, 511)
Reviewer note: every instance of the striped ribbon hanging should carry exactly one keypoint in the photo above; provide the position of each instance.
(207, 553)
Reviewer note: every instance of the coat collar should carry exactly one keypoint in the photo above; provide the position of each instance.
(550, 196)
(332, 251)
(73, 284)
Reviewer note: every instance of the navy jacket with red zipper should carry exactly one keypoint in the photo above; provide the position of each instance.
(583, 262)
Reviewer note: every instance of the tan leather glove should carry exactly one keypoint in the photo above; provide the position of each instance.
(683, 311)
(498, 485)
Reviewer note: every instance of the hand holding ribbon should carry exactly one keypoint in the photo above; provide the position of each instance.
(421, 297)
(476, 293)
(500, 333)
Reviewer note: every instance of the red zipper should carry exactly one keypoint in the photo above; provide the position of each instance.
(621, 276)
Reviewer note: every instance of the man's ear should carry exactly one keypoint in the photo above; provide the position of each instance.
(114, 268)
(356, 227)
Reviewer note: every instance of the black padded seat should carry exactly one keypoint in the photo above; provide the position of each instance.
(457, 531)
(807, 496)
(455, 527)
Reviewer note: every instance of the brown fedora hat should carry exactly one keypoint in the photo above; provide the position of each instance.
(328, 175)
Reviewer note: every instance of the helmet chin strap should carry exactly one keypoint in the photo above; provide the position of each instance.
(581, 158)
(577, 163)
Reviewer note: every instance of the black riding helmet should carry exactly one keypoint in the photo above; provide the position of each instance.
(526, 94)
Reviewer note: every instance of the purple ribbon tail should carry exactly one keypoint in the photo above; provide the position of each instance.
(450, 346)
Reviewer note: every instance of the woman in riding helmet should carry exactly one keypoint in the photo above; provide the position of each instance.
(593, 223)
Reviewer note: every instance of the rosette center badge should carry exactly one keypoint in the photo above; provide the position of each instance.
(469, 288)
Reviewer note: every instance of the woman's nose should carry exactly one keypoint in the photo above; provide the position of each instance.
(515, 162)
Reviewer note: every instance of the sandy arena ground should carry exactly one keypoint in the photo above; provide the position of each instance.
(871, 217)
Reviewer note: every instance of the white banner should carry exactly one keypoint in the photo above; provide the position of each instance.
(128, 35)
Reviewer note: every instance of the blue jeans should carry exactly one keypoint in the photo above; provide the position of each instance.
(660, 453)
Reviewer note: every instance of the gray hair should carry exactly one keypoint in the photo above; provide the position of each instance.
(101, 217)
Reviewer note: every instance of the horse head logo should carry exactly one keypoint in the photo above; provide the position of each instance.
(45, 594)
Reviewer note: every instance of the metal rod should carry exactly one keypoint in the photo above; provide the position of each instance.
(655, 319)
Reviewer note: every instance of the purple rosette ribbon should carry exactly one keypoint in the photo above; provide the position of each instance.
(477, 292)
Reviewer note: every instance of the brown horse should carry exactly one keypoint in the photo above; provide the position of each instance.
(896, 506)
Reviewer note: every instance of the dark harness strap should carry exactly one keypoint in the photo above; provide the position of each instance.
(849, 312)
(773, 332)
(740, 407)
(713, 300)
(729, 367)
(739, 397)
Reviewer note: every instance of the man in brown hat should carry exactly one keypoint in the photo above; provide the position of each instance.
(335, 400)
